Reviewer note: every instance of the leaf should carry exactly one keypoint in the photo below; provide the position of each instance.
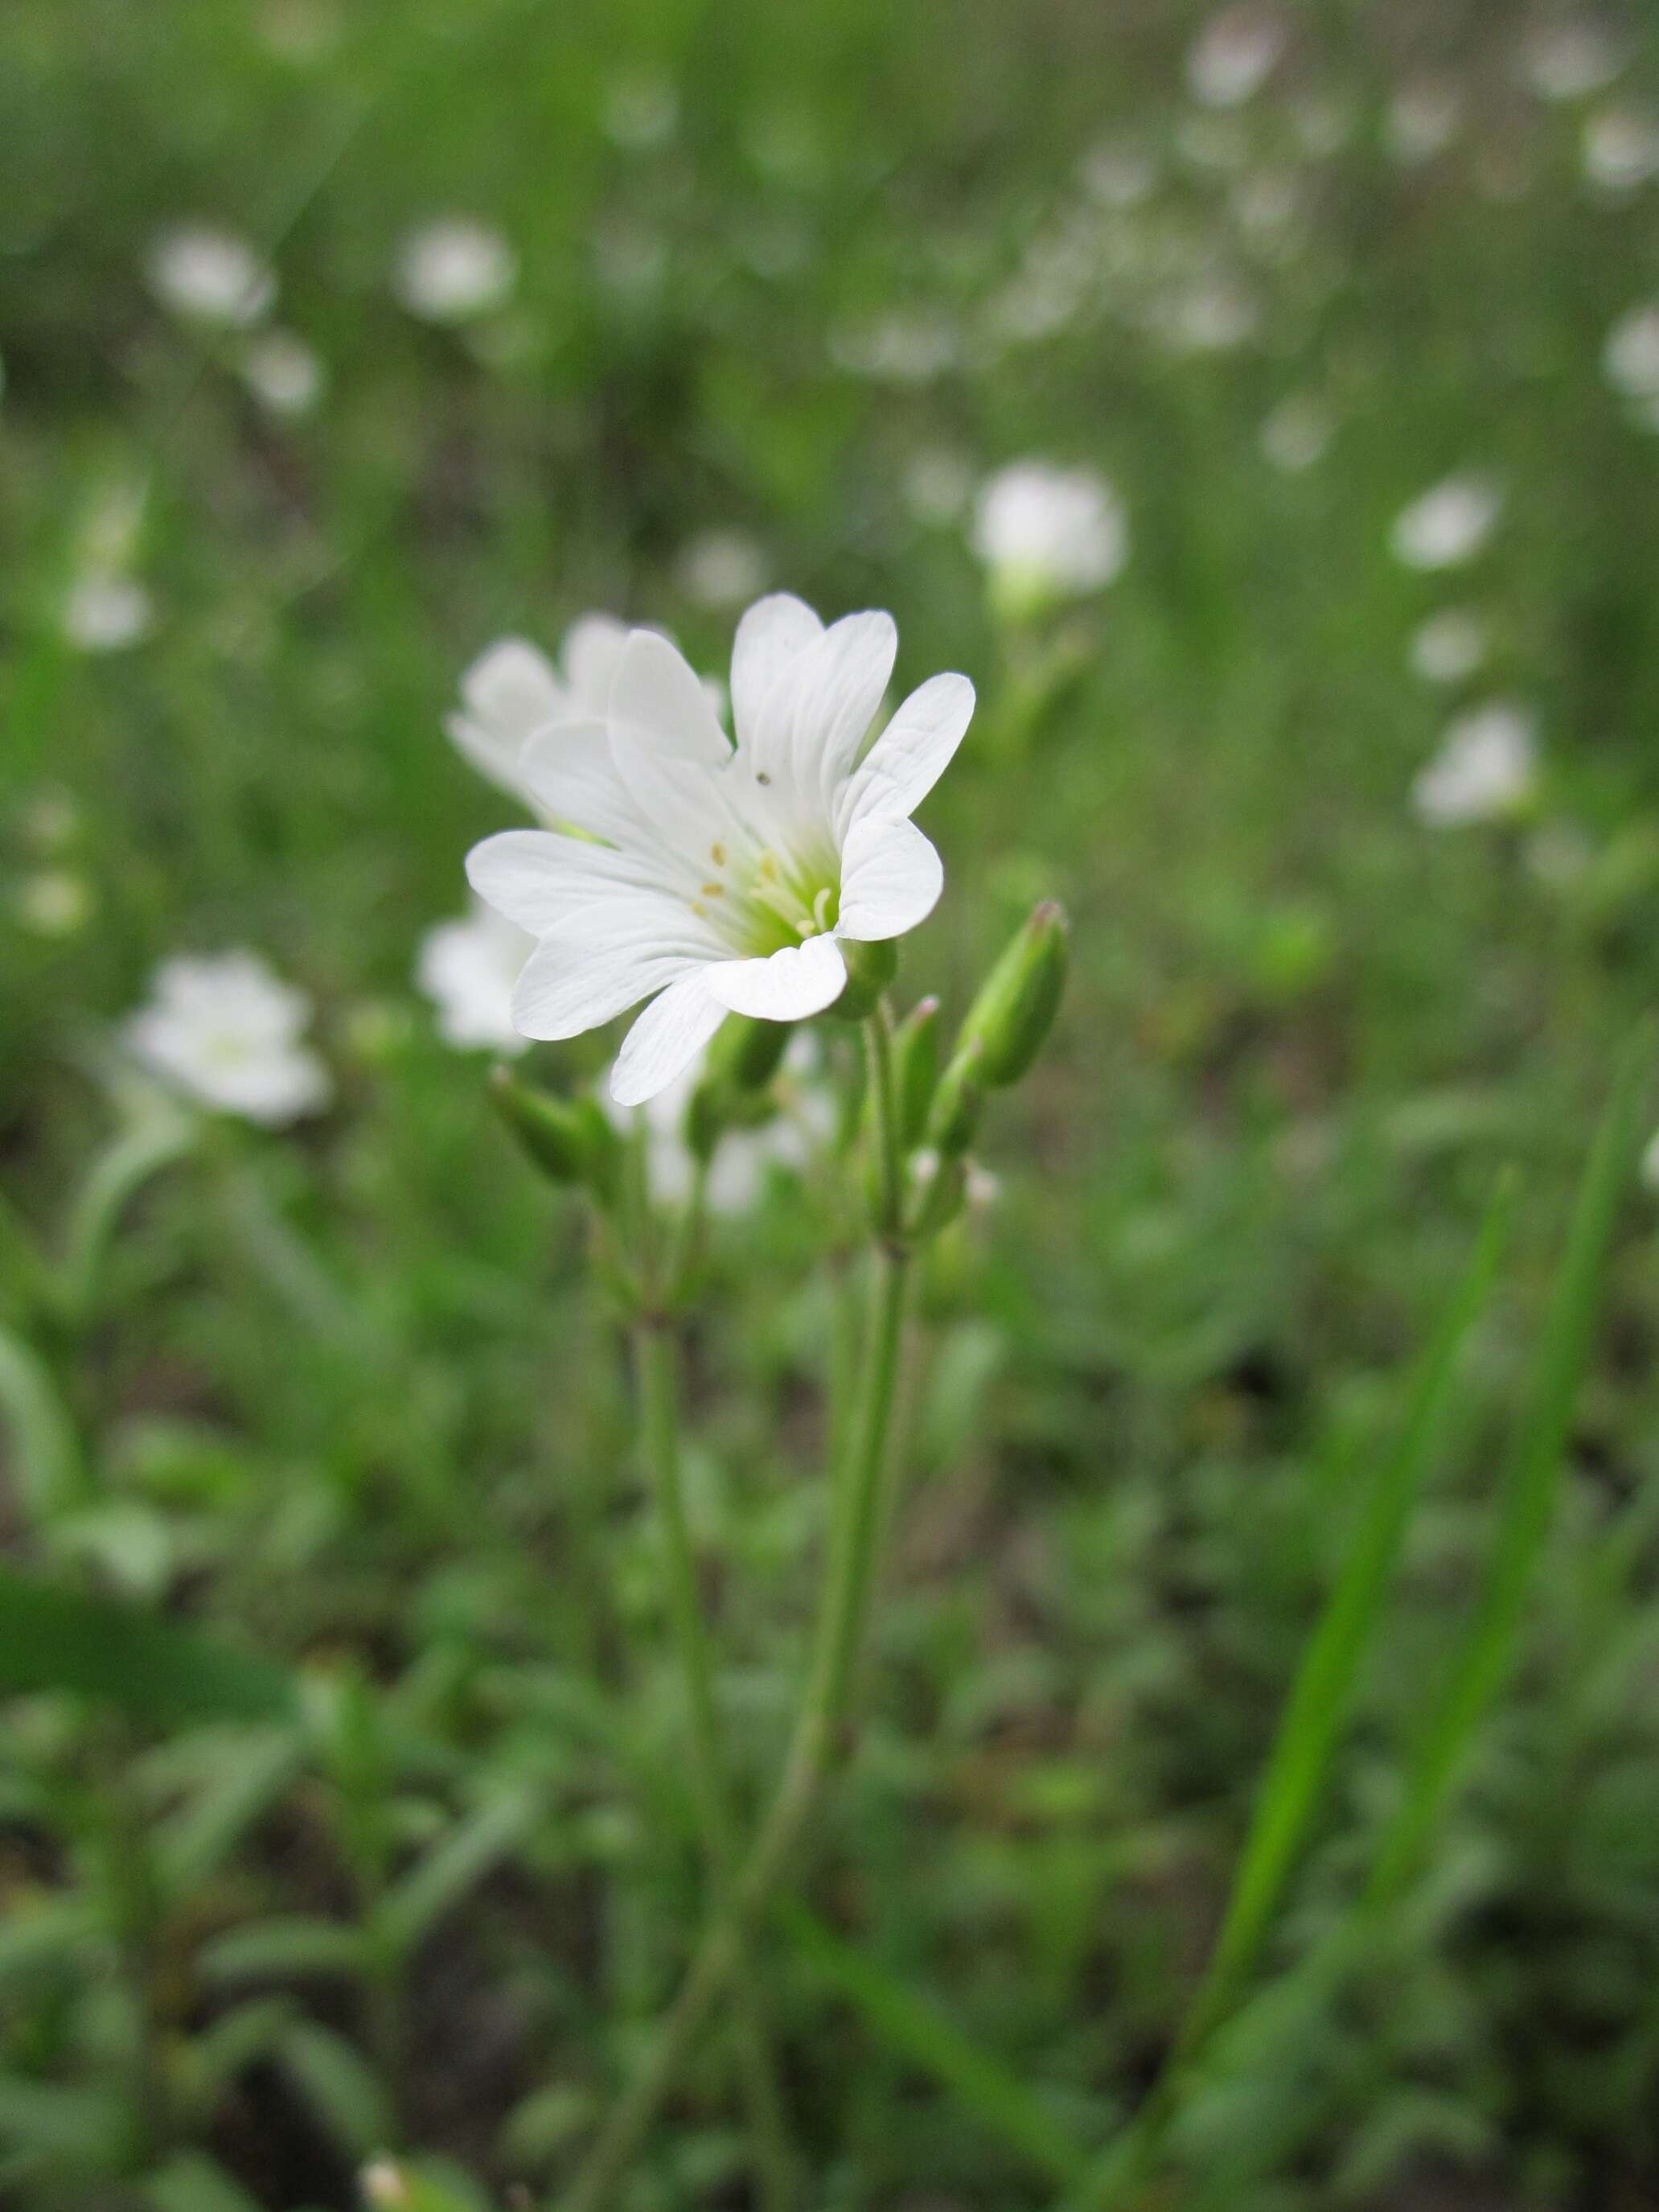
(53, 1638)
(54, 2123)
(1531, 1480)
(119, 1173)
(450, 1869)
(988, 2092)
(281, 1947)
(249, 1777)
(339, 2085)
(34, 1937)
(51, 1472)
(192, 2182)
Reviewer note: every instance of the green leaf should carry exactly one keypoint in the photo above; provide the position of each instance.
(192, 2182)
(248, 1778)
(341, 2087)
(53, 2124)
(53, 1638)
(997, 2100)
(1531, 1480)
(450, 1869)
(117, 1176)
(284, 1947)
(33, 1936)
(51, 1473)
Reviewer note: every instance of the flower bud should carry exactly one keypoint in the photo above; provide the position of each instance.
(745, 1052)
(915, 1068)
(958, 1102)
(570, 1141)
(938, 1190)
(869, 970)
(1018, 1001)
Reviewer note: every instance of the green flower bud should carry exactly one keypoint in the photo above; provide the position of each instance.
(869, 970)
(915, 1068)
(745, 1053)
(939, 1191)
(1017, 1002)
(569, 1140)
(958, 1102)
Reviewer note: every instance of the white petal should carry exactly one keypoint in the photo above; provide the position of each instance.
(820, 705)
(512, 683)
(657, 700)
(664, 1040)
(538, 878)
(914, 750)
(569, 771)
(592, 647)
(567, 987)
(890, 879)
(769, 636)
(801, 980)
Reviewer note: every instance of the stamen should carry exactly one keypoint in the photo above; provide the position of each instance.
(713, 891)
(717, 854)
(821, 908)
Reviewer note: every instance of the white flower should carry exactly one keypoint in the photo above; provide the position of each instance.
(283, 372)
(209, 276)
(1422, 121)
(1297, 433)
(1448, 524)
(744, 1156)
(1566, 60)
(1630, 359)
(1118, 173)
(936, 485)
(728, 878)
(1211, 316)
(1449, 647)
(513, 689)
(454, 269)
(1045, 532)
(226, 1031)
(720, 568)
(1234, 55)
(103, 613)
(908, 346)
(55, 902)
(1620, 150)
(468, 969)
(1485, 769)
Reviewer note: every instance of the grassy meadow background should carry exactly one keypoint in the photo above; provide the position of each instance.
(791, 282)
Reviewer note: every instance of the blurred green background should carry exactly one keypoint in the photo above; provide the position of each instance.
(765, 294)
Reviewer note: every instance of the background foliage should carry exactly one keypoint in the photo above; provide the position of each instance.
(340, 1397)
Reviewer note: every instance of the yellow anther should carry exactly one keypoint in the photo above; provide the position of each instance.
(713, 891)
(717, 854)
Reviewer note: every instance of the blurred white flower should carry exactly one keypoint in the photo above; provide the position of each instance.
(227, 1032)
(1118, 173)
(105, 613)
(720, 568)
(1421, 122)
(1324, 122)
(1212, 316)
(513, 689)
(730, 876)
(745, 1158)
(640, 113)
(1449, 647)
(1046, 533)
(468, 969)
(1620, 150)
(49, 818)
(209, 276)
(1297, 433)
(1650, 1162)
(908, 346)
(1486, 768)
(1568, 59)
(936, 485)
(1265, 205)
(283, 372)
(1448, 524)
(450, 271)
(1630, 358)
(1235, 54)
(54, 903)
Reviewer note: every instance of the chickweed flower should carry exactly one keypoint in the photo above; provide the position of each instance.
(1234, 55)
(1620, 150)
(1449, 647)
(1448, 524)
(227, 1032)
(728, 878)
(468, 969)
(283, 372)
(1047, 533)
(207, 274)
(454, 269)
(513, 689)
(720, 568)
(1486, 769)
(1630, 359)
(106, 613)
(1567, 60)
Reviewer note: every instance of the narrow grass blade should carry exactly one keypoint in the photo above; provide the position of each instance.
(991, 2095)
(1531, 1480)
(116, 1177)
(49, 1471)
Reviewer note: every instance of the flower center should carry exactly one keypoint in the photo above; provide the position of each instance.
(767, 895)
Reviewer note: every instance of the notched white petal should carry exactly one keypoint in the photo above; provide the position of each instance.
(664, 1040)
(565, 988)
(787, 986)
(916, 747)
(891, 877)
(769, 636)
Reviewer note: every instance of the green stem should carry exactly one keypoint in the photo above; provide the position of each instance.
(825, 1705)
(655, 1369)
